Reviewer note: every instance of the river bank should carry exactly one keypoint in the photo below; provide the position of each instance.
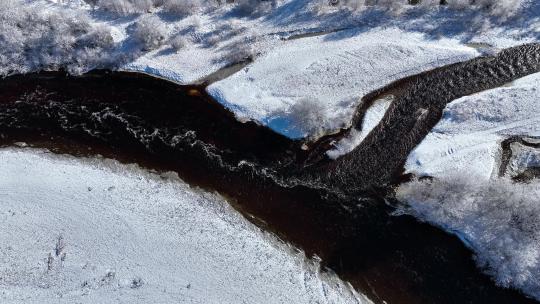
(126, 117)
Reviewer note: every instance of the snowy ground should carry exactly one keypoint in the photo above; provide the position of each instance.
(313, 85)
(309, 86)
(467, 139)
(96, 231)
(497, 218)
(304, 86)
(300, 86)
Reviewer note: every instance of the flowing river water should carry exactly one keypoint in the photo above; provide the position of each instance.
(340, 211)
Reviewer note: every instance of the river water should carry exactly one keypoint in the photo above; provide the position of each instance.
(139, 119)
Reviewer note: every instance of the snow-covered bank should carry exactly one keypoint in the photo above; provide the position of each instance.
(467, 139)
(371, 119)
(327, 75)
(497, 219)
(96, 231)
(300, 87)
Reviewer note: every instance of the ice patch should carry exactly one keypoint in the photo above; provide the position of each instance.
(96, 231)
(372, 118)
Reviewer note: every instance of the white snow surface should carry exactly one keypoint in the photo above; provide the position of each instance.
(467, 139)
(96, 231)
(307, 86)
(497, 218)
(300, 88)
(373, 116)
(335, 71)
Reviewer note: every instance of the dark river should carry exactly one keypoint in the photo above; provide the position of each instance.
(339, 211)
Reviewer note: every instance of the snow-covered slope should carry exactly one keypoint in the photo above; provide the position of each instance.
(97, 231)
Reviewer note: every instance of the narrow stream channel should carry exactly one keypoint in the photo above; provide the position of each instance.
(163, 126)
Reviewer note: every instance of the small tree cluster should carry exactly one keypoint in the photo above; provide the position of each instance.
(149, 32)
(182, 7)
(35, 39)
(130, 7)
(498, 8)
(255, 7)
(126, 7)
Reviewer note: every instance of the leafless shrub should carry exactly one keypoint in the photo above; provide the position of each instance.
(149, 32)
(50, 262)
(136, 283)
(34, 39)
(182, 7)
(240, 53)
(59, 246)
(178, 42)
(126, 7)
(255, 7)
(502, 9)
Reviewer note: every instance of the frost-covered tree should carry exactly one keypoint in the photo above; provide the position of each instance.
(178, 42)
(35, 39)
(126, 7)
(307, 117)
(255, 7)
(497, 8)
(149, 32)
(501, 8)
(130, 7)
(183, 7)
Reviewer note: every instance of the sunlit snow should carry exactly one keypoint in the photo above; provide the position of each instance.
(95, 231)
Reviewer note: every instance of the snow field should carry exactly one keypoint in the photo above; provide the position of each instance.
(97, 231)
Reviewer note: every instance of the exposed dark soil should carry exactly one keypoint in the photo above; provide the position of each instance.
(507, 154)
